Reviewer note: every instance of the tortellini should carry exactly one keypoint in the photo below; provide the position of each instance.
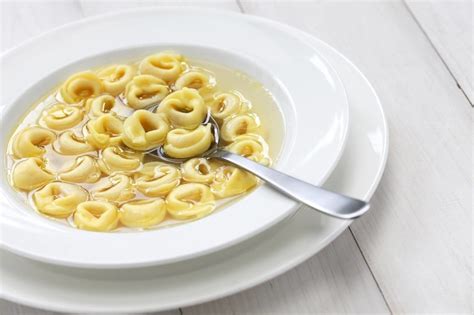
(252, 147)
(81, 86)
(116, 159)
(71, 144)
(230, 181)
(143, 213)
(96, 216)
(104, 131)
(166, 66)
(144, 130)
(238, 125)
(197, 170)
(145, 90)
(182, 143)
(83, 170)
(87, 153)
(184, 108)
(117, 188)
(115, 78)
(61, 117)
(100, 105)
(59, 199)
(157, 179)
(31, 142)
(30, 174)
(190, 201)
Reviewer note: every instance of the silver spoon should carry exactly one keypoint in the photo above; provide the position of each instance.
(320, 199)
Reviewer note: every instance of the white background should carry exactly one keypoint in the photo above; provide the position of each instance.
(413, 251)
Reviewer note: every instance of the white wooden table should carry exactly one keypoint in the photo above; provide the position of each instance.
(413, 251)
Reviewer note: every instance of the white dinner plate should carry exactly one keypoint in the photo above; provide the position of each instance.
(307, 89)
(236, 268)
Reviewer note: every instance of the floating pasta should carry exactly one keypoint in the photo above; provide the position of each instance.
(197, 170)
(98, 216)
(116, 159)
(145, 90)
(184, 108)
(182, 143)
(59, 199)
(115, 78)
(166, 66)
(143, 213)
(71, 144)
(239, 125)
(84, 169)
(197, 80)
(230, 181)
(190, 201)
(30, 174)
(225, 105)
(157, 179)
(81, 86)
(104, 131)
(31, 141)
(117, 188)
(61, 117)
(100, 105)
(252, 147)
(144, 130)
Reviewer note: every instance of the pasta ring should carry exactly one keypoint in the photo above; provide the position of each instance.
(144, 130)
(184, 108)
(61, 117)
(81, 86)
(142, 213)
(197, 170)
(117, 188)
(104, 131)
(239, 125)
(145, 90)
(100, 105)
(190, 201)
(182, 143)
(71, 144)
(116, 159)
(252, 147)
(157, 179)
(225, 105)
(197, 80)
(166, 66)
(30, 174)
(84, 169)
(59, 199)
(115, 78)
(230, 181)
(98, 216)
(30, 142)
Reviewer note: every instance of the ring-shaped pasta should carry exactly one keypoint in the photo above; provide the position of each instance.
(71, 144)
(190, 201)
(145, 90)
(144, 130)
(31, 141)
(104, 131)
(30, 174)
(97, 216)
(230, 181)
(166, 66)
(84, 169)
(197, 80)
(252, 147)
(117, 159)
(81, 86)
(239, 125)
(157, 179)
(184, 108)
(197, 170)
(225, 105)
(59, 199)
(100, 105)
(142, 213)
(115, 78)
(182, 143)
(117, 188)
(61, 117)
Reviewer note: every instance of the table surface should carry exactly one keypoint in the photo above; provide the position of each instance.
(413, 251)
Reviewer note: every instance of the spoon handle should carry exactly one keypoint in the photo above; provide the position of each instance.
(322, 200)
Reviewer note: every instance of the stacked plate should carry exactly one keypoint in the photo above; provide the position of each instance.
(336, 135)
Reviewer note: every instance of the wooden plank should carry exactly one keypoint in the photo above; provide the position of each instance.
(417, 238)
(448, 24)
